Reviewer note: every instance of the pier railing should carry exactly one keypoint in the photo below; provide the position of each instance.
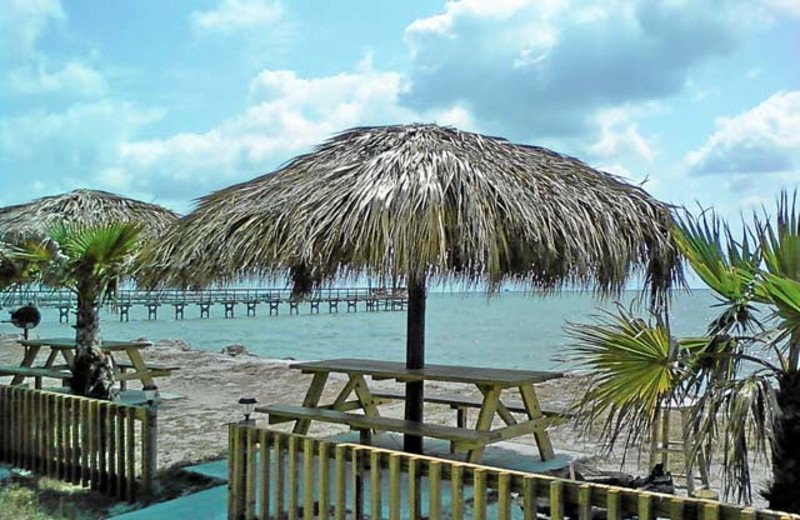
(44, 298)
(279, 475)
(109, 447)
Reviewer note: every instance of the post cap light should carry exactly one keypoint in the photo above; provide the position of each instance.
(248, 405)
(150, 393)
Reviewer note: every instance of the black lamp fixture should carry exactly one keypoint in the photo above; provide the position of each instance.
(248, 405)
(26, 318)
(150, 394)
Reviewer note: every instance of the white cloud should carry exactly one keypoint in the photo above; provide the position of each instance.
(21, 24)
(620, 137)
(533, 69)
(764, 139)
(790, 7)
(74, 143)
(72, 78)
(235, 15)
(288, 115)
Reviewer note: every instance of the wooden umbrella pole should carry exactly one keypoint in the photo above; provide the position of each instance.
(415, 358)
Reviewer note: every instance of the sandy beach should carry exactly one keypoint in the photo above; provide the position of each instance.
(192, 428)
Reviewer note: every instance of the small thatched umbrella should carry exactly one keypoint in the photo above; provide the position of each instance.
(106, 230)
(84, 207)
(422, 202)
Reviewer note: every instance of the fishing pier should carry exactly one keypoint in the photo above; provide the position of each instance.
(180, 304)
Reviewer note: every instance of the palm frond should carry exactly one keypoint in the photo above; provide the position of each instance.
(636, 368)
(780, 241)
(737, 416)
(726, 266)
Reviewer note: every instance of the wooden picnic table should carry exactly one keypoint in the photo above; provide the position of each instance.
(67, 348)
(490, 381)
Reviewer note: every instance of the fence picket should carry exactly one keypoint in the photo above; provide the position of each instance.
(435, 491)
(414, 506)
(355, 480)
(122, 475)
(479, 486)
(676, 509)
(293, 481)
(250, 474)
(504, 496)
(340, 492)
(585, 502)
(265, 473)
(394, 486)
(279, 476)
(324, 480)
(613, 498)
(308, 479)
(77, 440)
(556, 500)
(130, 445)
(234, 474)
(457, 493)
(375, 481)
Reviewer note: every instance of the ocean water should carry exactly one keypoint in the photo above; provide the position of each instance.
(508, 330)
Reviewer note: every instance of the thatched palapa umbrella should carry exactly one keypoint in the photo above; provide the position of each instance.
(420, 203)
(86, 241)
(84, 207)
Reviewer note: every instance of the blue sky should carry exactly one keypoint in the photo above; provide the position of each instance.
(167, 101)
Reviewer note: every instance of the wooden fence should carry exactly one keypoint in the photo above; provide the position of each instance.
(279, 475)
(107, 446)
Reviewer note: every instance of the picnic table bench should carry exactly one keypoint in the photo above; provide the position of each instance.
(134, 368)
(462, 403)
(460, 439)
(490, 382)
(36, 373)
(153, 369)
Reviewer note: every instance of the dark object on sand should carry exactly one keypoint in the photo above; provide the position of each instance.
(235, 350)
(658, 481)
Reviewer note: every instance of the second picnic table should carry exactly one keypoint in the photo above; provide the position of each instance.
(490, 381)
(67, 347)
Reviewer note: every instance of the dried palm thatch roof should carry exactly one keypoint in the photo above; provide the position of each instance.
(86, 207)
(425, 201)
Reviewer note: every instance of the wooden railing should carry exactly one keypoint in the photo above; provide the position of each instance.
(279, 475)
(107, 446)
(51, 298)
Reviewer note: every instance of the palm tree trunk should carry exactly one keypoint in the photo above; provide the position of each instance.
(92, 373)
(783, 492)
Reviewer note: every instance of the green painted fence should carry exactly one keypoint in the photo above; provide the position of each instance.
(110, 447)
(279, 475)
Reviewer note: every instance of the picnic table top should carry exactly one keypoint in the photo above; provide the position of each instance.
(66, 343)
(452, 373)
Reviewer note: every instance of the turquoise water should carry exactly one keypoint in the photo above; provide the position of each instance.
(510, 330)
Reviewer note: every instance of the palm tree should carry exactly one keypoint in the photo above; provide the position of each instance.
(745, 373)
(762, 268)
(90, 261)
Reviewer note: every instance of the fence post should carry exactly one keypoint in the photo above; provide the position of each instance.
(149, 452)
